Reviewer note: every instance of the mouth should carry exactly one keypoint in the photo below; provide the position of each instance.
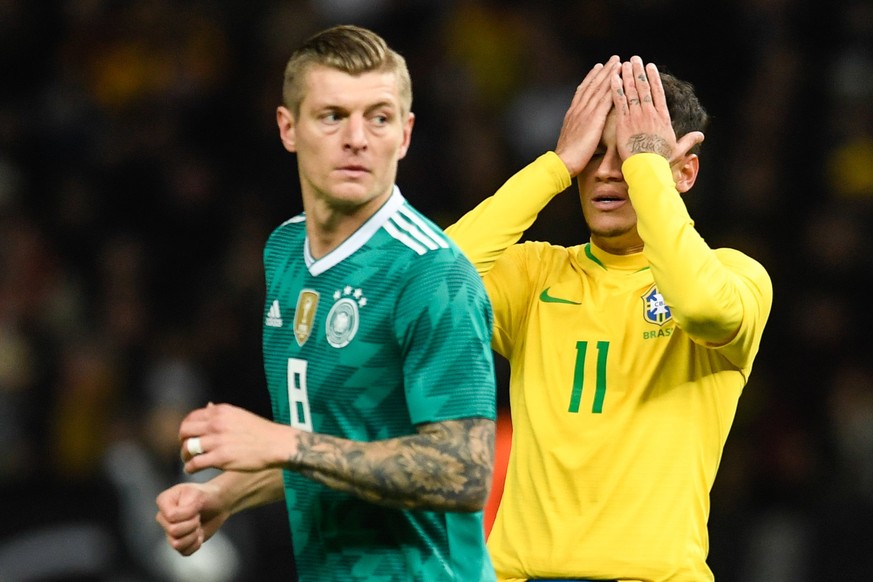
(353, 170)
(608, 201)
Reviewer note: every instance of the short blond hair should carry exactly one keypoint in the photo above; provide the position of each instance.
(347, 48)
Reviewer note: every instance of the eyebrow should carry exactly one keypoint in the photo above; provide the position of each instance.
(367, 108)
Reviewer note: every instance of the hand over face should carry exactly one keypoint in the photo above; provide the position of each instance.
(643, 122)
(585, 118)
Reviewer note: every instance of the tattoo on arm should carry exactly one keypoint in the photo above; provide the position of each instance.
(447, 466)
(649, 143)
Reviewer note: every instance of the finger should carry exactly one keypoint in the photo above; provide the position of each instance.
(603, 81)
(194, 446)
(181, 528)
(596, 102)
(686, 143)
(641, 82)
(592, 74)
(187, 544)
(659, 99)
(195, 545)
(619, 99)
(598, 71)
(177, 528)
(597, 79)
(629, 82)
(200, 462)
(192, 427)
(584, 87)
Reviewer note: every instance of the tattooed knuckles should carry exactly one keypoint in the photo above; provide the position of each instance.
(643, 119)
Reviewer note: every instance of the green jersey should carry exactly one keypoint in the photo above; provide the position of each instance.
(389, 330)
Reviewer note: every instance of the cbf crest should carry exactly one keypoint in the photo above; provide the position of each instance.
(344, 317)
(655, 310)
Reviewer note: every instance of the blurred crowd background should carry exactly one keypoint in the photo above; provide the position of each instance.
(141, 172)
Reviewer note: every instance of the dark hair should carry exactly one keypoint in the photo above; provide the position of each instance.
(686, 112)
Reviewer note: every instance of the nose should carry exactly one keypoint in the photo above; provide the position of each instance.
(609, 167)
(355, 134)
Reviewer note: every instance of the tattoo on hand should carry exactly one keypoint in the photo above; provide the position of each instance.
(649, 143)
(447, 466)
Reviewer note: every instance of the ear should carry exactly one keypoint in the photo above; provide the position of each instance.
(286, 123)
(685, 172)
(407, 135)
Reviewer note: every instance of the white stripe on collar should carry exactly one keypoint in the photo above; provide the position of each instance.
(358, 239)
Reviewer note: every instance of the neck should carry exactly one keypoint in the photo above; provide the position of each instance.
(618, 245)
(327, 226)
(326, 233)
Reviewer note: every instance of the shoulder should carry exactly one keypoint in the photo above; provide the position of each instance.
(541, 253)
(543, 248)
(413, 230)
(419, 242)
(285, 235)
(425, 252)
(288, 229)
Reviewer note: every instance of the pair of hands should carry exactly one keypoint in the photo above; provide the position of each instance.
(232, 439)
(643, 124)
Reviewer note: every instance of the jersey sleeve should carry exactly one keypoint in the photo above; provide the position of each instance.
(720, 298)
(443, 323)
(488, 233)
(499, 221)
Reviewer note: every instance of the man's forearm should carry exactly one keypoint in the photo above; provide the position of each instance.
(447, 466)
(499, 221)
(701, 291)
(243, 490)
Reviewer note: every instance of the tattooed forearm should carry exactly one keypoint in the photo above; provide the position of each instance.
(447, 466)
(649, 143)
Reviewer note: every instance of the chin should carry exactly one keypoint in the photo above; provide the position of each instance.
(352, 194)
(611, 230)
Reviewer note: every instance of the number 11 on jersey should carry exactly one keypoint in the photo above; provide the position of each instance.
(579, 377)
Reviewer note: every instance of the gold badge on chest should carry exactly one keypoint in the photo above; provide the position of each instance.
(307, 303)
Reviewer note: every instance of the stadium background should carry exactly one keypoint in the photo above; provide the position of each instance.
(140, 173)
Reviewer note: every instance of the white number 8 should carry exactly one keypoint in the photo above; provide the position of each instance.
(298, 398)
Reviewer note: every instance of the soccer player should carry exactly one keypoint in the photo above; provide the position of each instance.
(628, 353)
(376, 342)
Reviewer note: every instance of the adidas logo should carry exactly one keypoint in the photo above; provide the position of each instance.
(274, 317)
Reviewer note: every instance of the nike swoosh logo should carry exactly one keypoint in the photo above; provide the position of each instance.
(546, 298)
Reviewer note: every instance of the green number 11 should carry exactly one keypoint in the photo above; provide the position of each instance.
(579, 376)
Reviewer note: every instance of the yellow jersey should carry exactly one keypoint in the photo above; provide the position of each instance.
(625, 377)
